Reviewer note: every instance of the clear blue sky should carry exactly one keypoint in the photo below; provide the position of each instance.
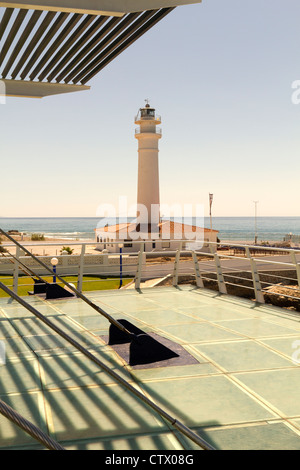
(219, 73)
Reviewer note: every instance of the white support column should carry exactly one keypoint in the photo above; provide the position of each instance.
(199, 280)
(220, 277)
(81, 269)
(176, 266)
(16, 271)
(138, 275)
(259, 296)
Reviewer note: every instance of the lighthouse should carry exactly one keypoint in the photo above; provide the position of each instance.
(148, 201)
(149, 228)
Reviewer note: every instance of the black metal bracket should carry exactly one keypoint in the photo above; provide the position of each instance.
(55, 291)
(143, 348)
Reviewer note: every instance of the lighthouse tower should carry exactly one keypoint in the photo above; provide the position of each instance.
(148, 135)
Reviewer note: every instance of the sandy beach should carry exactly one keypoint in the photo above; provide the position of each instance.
(49, 246)
(53, 246)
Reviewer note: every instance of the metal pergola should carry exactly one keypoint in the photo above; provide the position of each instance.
(57, 47)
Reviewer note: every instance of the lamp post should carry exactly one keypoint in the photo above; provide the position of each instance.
(255, 222)
(211, 197)
(120, 245)
(54, 262)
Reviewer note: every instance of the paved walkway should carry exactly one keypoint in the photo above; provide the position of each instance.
(241, 390)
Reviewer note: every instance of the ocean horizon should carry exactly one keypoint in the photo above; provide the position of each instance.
(82, 228)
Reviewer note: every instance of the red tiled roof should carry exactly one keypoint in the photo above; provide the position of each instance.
(168, 226)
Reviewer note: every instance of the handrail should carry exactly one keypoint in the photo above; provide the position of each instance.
(150, 240)
(136, 270)
(71, 287)
(29, 427)
(174, 422)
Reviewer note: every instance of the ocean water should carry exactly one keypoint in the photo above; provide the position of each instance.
(230, 228)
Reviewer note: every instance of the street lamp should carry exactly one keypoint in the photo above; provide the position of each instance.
(54, 262)
(211, 198)
(120, 245)
(255, 222)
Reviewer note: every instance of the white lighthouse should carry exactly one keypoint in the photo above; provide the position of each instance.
(148, 227)
(148, 202)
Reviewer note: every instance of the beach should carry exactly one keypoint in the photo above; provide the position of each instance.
(49, 246)
(72, 232)
(53, 246)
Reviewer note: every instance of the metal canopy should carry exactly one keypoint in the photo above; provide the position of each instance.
(44, 52)
(96, 7)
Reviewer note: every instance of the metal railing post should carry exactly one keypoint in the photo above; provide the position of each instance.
(259, 296)
(297, 265)
(138, 275)
(16, 271)
(176, 266)
(220, 277)
(81, 269)
(199, 280)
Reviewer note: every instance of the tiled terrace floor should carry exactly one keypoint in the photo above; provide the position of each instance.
(242, 394)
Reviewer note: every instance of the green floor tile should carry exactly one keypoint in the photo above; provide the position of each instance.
(161, 317)
(256, 328)
(242, 356)
(289, 346)
(19, 376)
(193, 370)
(162, 441)
(279, 388)
(196, 332)
(274, 436)
(216, 313)
(15, 347)
(245, 378)
(200, 401)
(6, 330)
(99, 412)
(65, 371)
(30, 326)
(31, 407)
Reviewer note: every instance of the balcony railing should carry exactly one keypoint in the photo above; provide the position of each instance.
(158, 131)
(156, 118)
(254, 270)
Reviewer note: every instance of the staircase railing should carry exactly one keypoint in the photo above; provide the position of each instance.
(178, 425)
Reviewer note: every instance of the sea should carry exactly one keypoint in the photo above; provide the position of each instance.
(268, 229)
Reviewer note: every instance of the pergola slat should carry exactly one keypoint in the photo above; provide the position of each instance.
(94, 41)
(160, 15)
(64, 48)
(31, 24)
(39, 33)
(12, 34)
(67, 45)
(108, 39)
(44, 42)
(83, 40)
(56, 44)
(5, 20)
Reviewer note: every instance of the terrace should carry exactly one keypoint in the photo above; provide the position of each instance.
(234, 385)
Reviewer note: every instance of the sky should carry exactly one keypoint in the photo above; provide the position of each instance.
(220, 74)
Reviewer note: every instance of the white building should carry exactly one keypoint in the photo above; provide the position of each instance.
(148, 226)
